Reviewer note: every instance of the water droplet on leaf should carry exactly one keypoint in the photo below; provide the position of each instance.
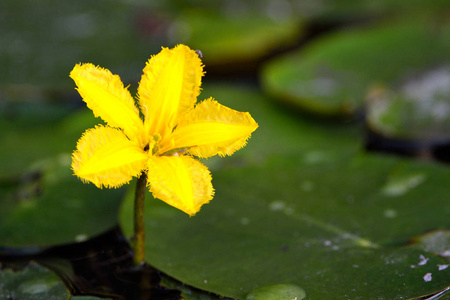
(423, 260)
(245, 221)
(277, 205)
(400, 185)
(277, 292)
(427, 277)
(81, 238)
(307, 186)
(390, 213)
(37, 286)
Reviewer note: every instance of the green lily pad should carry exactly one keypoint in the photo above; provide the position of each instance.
(34, 283)
(317, 215)
(417, 110)
(332, 75)
(278, 224)
(226, 38)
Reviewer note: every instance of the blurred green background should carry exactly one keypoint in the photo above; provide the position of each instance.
(305, 210)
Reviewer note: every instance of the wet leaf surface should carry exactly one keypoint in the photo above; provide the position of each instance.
(437, 242)
(416, 110)
(315, 213)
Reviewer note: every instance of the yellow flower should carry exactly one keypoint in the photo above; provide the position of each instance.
(175, 128)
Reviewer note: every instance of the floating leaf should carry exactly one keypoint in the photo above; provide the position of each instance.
(332, 75)
(318, 218)
(417, 110)
(330, 231)
(437, 242)
(34, 283)
(226, 38)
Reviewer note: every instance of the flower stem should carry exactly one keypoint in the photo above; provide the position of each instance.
(139, 229)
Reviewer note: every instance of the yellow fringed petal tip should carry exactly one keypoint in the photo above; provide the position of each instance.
(174, 128)
(211, 128)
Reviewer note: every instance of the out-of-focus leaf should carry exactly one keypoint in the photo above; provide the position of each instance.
(42, 202)
(34, 283)
(437, 242)
(49, 205)
(226, 38)
(333, 75)
(417, 110)
(27, 138)
(40, 42)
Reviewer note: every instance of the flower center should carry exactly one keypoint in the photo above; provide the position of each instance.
(153, 144)
(175, 152)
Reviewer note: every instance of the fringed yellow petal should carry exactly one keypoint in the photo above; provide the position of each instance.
(180, 181)
(106, 96)
(210, 129)
(169, 87)
(106, 157)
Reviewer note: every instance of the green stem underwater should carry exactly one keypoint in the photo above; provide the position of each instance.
(139, 229)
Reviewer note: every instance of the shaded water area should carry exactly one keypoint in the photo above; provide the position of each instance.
(102, 267)
(435, 150)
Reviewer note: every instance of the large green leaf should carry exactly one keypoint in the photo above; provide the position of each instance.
(336, 230)
(314, 216)
(334, 74)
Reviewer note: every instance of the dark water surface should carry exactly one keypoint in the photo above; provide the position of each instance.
(102, 267)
